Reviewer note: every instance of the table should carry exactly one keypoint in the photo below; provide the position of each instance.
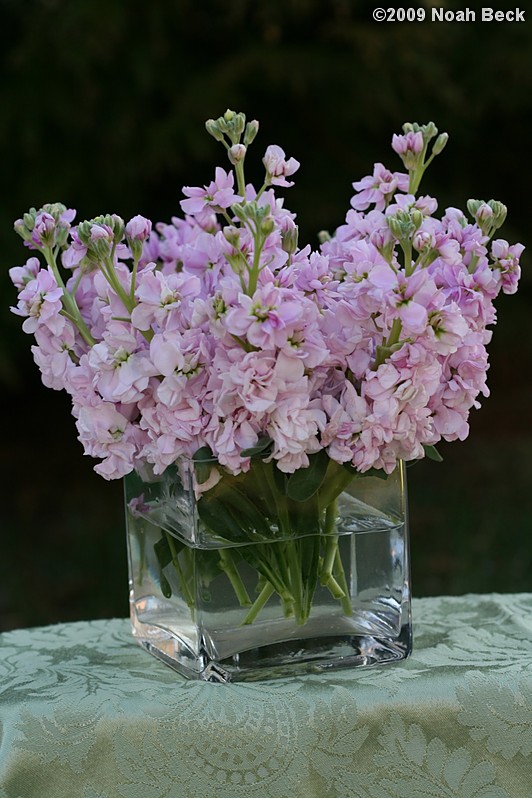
(86, 713)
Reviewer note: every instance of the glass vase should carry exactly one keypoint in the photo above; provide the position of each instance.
(251, 579)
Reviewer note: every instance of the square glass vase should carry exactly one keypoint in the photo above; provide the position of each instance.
(245, 582)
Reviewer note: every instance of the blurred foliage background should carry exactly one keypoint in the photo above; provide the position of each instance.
(103, 106)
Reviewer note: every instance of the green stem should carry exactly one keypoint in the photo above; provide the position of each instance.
(336, 481)
(111, 277)
(339, 574)
(267, 591)
(296, 582)
(331, 544)
(227, 564)
(241, 183)
(189, 598)
(406, 246)
(68, 299)
(134, 279)
(417, 174)
(335, 589)
(262, 189)
(254, 272)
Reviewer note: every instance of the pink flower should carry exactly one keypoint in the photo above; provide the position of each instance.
(40, 302)
(138, 228)
(267, 319)
(72, 256)
(160, 297)
(346, 418)
(218, 195)
(227, 437)
(408, 143)
(378, 188)
(22, 275)
(43, 232)
(121, 372)
(507, 260)
(278, 168)
(294, 427)
(55, 355)
(107, 434)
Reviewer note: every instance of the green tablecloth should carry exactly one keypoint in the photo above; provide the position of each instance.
(86, 713)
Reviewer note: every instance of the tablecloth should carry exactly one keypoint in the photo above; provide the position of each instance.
(86, 713)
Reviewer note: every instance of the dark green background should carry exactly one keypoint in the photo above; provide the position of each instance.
(102, 107)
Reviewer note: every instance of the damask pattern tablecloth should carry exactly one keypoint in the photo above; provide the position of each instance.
(86, 713)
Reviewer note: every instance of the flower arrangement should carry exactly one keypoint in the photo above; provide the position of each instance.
(281, 372)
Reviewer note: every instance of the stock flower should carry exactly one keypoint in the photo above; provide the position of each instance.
(107, 434)
(55, 354)
(278, 168)
(40, 302)
(72, 256)
(138, 228)
(378, 188)
(209, 332)
(217, 195)
(408, 143)
(21, 275)
(121, 373)
(266, 319)
(159, 298)
(507, 258)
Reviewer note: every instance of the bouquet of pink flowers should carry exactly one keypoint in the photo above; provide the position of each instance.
(217, 339)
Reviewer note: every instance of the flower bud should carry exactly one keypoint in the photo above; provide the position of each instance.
(395, 226)
(229, 116)
(43, 233)
(252, 128)
(138, 228)
(324, 236)
(416, 217)
(473, 206)
(61, 234)
(29, 219)
(423, 241)
(84, 231)
(440, 143)
(22, 230)
(484, 213)
(381, 238)
(401, 225)
(231, 235)
(214, 130)
(499, 213)
(429, 131)
(240, 212)
(116, 223)
(267, 226)
(236, 153)
(289, 239)
(239, 124)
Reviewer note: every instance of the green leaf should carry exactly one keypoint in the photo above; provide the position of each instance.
(164, 557)
(371, 472)
(261, 449)
(162, 552)
(203, 460)
(250, 517)
(432, 453)
(217, 516)
(304, 482)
